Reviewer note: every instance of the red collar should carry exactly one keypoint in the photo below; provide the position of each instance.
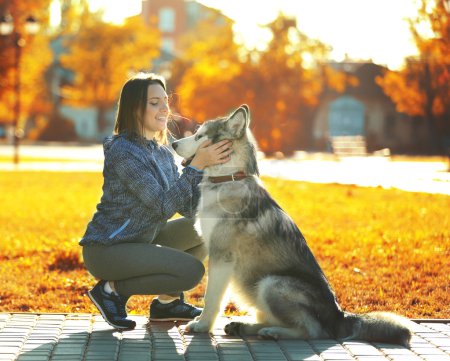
(227, 178)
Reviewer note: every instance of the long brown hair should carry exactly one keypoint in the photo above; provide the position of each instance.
(132, 104)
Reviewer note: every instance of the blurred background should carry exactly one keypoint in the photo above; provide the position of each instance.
(348, 76)
(341, 91)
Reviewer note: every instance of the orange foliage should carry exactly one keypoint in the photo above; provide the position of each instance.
(404, 92)
(422, 87)
(339, 81)
(207, 87)
(280, 84)
(35, 57)
(102, 56)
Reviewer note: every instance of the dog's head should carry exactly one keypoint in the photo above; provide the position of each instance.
(232, 127)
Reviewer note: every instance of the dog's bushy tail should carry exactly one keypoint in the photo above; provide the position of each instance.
(375, 327)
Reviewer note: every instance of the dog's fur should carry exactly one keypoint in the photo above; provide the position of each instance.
(256, 245)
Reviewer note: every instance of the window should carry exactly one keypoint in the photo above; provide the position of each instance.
(168, 45)
(167, 20)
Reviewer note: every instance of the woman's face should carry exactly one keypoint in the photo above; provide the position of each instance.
(156, 111)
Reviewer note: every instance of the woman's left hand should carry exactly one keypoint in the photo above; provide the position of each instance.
(210, 154)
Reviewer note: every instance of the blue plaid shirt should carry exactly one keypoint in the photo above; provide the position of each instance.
(142, 189)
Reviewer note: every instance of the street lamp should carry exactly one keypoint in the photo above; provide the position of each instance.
(7, 29)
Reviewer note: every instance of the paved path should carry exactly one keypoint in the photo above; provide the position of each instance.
(86, 337)
(429, 177)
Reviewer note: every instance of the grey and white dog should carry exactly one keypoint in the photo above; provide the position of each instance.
(257, 247)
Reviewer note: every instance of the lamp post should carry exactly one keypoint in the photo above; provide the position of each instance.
(7, 29)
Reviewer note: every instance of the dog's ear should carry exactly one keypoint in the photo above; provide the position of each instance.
(239, 121)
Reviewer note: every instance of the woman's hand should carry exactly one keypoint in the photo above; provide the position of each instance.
(210, 154)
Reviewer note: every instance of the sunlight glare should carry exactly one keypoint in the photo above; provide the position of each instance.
(116, 11)
(355, 29)
(358, 29)
(55, 13)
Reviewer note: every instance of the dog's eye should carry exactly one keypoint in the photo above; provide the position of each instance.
(198, 136)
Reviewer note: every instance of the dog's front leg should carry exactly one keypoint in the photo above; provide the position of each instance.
(219, 274)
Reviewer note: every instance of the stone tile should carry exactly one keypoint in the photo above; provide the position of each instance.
(32, 358)
(7, 357)
(70, 337)
(364, 350)
(435, 358)
(313, 357)
(404, 357)
(202, 356)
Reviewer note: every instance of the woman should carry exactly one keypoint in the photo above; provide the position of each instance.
(130, 244)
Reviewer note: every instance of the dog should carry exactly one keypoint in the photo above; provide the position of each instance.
(257, 247)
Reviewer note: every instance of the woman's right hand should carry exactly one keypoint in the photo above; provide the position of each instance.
(210, 154)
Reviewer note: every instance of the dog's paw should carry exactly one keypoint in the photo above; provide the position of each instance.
(233, 328)
(197, 326)
(269, 333)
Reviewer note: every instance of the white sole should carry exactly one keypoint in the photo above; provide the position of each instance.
(169, 319)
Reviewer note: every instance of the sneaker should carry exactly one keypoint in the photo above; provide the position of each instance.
(123, 310)
(177, 310)
(111, 306)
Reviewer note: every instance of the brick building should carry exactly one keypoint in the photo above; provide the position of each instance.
(174, 18)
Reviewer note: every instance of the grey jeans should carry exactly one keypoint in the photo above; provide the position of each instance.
(172, 263)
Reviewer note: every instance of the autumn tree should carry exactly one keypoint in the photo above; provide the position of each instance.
(102, 56)
(281, 84)
(207, 73)
(23, 62)
(422, 87)
(286, 86)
